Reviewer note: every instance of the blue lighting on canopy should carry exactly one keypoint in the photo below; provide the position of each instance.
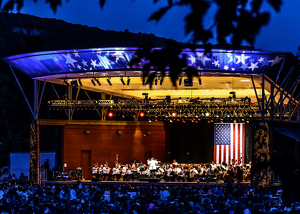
(41, 64)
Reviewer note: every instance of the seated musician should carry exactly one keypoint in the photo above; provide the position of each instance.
(94, 172)
(116, 173)
(128, 174)
(169, 173)
(99, 172)
(192, 174)
(105, 172)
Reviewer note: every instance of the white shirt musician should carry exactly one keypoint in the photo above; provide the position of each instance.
(104, 170)
(115, 171)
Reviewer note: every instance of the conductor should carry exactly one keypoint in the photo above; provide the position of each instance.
(153, 163)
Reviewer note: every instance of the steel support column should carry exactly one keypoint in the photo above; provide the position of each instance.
(35, 175)
(70, 98)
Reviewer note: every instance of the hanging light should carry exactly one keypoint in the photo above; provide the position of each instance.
(122, 81)
(80, 83)
(180, 81)
(93, 82)
(66, 82)
(108, 80)
(98, 82)
(128, 80)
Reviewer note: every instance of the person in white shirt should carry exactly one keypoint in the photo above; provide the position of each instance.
(128, 174)
(152, 166)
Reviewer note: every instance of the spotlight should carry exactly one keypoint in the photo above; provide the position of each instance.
(128, 80)
(109, 82)
(180, 81)
(173, 114)
(122, 81)
(98, 82)
(66, 82)
(80, 83)
(74, 84)
(142, 114)
(161, 81)
(93, 82)
(110, 114)
(207, 114)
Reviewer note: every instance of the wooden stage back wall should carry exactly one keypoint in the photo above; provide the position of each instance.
(85, 145)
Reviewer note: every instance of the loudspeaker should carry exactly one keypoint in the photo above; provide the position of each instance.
(150, 154)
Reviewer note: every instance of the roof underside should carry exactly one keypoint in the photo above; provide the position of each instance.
(222, 71)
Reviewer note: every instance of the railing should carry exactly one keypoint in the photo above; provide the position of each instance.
(5, 176)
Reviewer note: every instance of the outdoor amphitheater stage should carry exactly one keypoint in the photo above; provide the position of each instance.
(134, 183)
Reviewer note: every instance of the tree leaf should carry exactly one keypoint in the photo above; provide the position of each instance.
(276, 4)
(54, 4)
(102, 3)
(20, 4)
(159, 14)
(9, 6)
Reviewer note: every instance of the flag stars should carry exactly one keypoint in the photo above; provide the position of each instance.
(84, 63)
(276, 60)
(242, 58)
(216, 63)
(253, 66)
(93, 63)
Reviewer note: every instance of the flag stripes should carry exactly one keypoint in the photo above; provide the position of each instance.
(229, 142)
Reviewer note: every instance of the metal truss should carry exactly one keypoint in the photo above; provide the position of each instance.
(282, 104)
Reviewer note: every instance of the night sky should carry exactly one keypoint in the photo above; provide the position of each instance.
(281, 34)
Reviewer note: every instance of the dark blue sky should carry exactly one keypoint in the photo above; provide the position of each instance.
(282, 33)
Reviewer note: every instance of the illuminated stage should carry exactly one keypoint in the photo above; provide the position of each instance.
(133, 120)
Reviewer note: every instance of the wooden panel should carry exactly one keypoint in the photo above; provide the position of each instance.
(86, 163)
(104, 143)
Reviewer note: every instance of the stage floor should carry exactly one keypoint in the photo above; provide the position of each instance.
(74, 182)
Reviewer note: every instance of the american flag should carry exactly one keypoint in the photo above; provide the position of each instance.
(229, 142)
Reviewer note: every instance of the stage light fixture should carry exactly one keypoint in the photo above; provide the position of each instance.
(173, 114)
(109, 82)
(93, 82)
(128, 80)
(110, 114)
(142, 114)
(161, 80)
(180, 81)
(98, 82)
(66, 82)
(122, 81)
(80, 83)
(74, 84)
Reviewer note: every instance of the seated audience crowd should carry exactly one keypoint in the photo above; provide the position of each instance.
(139, 199)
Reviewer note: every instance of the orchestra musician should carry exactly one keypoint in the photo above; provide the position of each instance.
(175, 172)
(153, 163)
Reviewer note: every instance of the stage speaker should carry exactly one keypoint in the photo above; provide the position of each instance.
(150, 154)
